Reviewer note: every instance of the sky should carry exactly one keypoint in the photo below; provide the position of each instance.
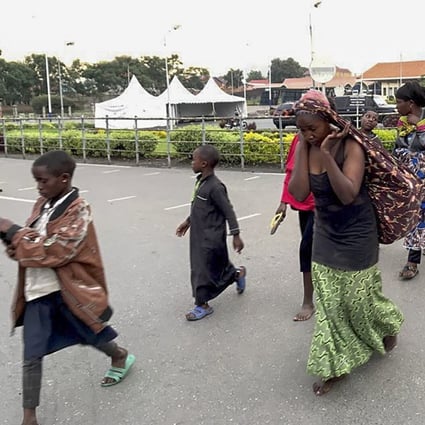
(217, 35)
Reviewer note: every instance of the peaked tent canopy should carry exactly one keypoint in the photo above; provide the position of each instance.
(133, 102)
(211, 101)
(222, 103)
(182, 103)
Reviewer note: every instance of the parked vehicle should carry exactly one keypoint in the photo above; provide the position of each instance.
(354, 106)
(283, 115)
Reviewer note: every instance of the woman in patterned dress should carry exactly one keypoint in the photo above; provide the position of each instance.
(410, 149)
(353, 318)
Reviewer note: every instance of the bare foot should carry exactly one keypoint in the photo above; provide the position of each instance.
(117, 361)
(307, 310)
(390, 342)
(29, 417)
(323, 387)
(31, 422)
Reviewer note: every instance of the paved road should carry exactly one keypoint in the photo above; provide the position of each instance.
(243, 365)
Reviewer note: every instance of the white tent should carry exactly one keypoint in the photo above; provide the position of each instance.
(182, 103)
(211, 101)
(221, 104)
(133, 102)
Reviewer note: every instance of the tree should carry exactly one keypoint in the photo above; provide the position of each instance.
(255, 75)
(195, 78)
(233, 78)
(289, 68)
(16, 82)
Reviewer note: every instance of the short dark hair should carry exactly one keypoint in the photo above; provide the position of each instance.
(210, 154)
(56, 162)
(412, 90)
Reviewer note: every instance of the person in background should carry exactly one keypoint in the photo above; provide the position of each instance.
(61, 298)
(368, 122)
(305, 211)
(211, 270)
(410, 149)
(353, 317)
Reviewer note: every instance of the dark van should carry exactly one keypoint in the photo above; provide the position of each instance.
(351, 107)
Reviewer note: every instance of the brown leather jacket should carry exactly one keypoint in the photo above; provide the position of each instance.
(71, 249)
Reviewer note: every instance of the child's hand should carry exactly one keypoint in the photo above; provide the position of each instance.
(5, 225)
(10, 251)
(183, 228)
(237, 244)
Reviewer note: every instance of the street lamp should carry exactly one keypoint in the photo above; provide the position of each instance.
(49, 97)
(167, 76)
(312, 53)
(270, 86)
(69, 43)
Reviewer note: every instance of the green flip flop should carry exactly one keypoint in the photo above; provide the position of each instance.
(119, 373)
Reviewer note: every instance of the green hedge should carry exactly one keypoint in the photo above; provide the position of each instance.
(257, 147)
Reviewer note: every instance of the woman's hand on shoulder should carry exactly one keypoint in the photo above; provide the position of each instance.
(334, 137)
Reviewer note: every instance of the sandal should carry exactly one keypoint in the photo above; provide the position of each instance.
(408, 272)
(240, 279)
(198, 313)
(117, 374)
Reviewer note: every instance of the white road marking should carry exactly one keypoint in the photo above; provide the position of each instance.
(270, 174)
(102, 165)
(122, 199)
(26, 188)
(110, 171)
(252, 178)
(9, 198)
(249, 216)
(177, 206)
(152, 174)
(83, 191)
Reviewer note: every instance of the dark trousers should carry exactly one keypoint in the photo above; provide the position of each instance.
(32, 373)
(414, 256)
(49, 326)
(306, 221)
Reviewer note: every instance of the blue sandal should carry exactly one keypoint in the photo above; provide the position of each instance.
(198, 313)
(241, 280)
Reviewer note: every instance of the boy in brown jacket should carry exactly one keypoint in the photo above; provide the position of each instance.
(61, 298)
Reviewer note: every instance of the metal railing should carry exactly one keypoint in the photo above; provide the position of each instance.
(257, 143)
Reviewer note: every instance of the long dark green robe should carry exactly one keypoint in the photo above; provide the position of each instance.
(211, 270)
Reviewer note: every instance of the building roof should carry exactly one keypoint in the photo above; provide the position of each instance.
(395, 70)
(305, 82)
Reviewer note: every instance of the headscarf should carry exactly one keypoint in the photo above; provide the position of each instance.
(314, 102)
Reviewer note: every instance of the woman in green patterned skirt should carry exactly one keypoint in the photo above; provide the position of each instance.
(353, 318)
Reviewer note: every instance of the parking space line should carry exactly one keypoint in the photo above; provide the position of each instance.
(26, 188)
(79, 164)
(269, 174)
(124, 198)
(176, 206)
(248, 216)
(9, 198)
(252, 178)
(110, 171)
(152, 174)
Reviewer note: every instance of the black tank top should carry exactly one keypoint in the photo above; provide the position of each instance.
(345, 236)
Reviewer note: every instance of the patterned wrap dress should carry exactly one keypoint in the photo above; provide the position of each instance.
(410, 149)
(352, 314)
